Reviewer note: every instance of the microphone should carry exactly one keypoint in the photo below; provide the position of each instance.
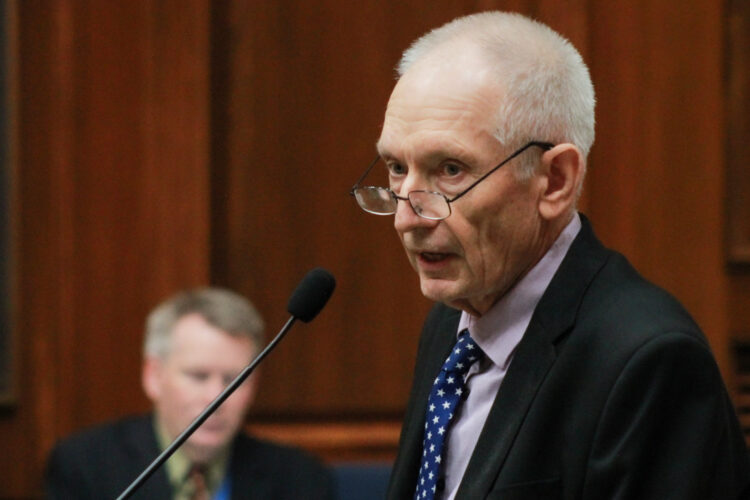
(311, 295)
(307, 300)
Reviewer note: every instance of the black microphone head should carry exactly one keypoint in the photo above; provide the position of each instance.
(311, 294)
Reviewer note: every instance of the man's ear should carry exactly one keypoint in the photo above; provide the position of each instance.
(563, 169)
(151, 377)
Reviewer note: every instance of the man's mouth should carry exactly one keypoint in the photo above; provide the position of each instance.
(433, 256)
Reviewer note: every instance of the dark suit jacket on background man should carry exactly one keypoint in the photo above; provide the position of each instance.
(101, 462)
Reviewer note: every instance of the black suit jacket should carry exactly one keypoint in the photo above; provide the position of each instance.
(100, 463)
(613, 394)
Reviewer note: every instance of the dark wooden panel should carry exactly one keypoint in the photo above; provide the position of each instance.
(337, 441)
(738, 137)
(8, 98)
(136, 187)
(113, 205)
(655, 185)
(302, 115)
(29, 428)
(738, 194)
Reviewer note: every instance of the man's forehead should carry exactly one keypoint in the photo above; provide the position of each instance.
(436, 114)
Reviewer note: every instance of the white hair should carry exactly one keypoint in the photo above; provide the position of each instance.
(548, 94)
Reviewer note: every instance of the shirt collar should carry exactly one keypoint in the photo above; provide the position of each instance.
(499, 331)
(178, 465)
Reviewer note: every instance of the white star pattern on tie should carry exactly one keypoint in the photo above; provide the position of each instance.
(442, 405)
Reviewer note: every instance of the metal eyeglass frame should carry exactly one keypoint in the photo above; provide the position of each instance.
(546, 146)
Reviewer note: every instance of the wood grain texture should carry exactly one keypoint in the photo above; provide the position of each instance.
(656, 177)
(173, 143)
(337, 441)
(738, 120)
(113, 208)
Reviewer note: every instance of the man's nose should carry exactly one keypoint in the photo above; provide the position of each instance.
(406, 219)
(213, 388)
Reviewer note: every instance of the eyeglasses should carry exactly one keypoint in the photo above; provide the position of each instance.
(426, 204)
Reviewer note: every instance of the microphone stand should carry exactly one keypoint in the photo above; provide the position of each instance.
(233, 385)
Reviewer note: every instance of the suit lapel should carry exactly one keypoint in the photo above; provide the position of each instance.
(508, 411)
(555, 314)
(140, 442)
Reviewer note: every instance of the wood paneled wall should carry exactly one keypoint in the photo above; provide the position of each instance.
(113, 206)
(657, 176)
(165, 144)
(738, 118)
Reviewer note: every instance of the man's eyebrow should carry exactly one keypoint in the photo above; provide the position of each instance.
(436, 155)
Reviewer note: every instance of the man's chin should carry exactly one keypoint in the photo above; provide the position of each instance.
(438, 290)
(204, 449)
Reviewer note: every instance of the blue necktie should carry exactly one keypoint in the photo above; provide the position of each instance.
(441, 407)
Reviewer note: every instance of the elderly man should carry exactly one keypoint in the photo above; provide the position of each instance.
(549, 368)
(196, 343)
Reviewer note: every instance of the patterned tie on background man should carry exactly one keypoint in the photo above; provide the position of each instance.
(197, 479)
(442, 405)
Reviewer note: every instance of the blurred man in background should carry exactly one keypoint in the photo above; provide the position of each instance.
(196, 343)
